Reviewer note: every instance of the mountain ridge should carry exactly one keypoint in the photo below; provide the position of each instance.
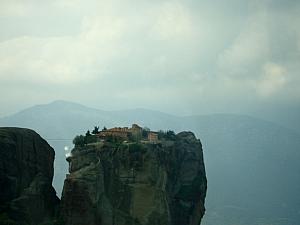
(69, 105)
(279, 120)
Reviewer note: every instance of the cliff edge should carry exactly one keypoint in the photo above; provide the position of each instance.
(26, 172)
(142, 183)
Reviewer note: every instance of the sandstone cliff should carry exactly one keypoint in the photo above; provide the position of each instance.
(136, 183)
(26, 172)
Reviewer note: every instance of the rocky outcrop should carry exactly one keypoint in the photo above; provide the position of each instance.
(136, 183)
(26, 172)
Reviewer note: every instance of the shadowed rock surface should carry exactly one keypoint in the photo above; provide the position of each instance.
(26, 173)
(141, 184)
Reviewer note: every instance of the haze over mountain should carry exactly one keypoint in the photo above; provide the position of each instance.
(252, 165)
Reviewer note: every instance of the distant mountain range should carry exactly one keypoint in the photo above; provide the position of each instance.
(252, 165)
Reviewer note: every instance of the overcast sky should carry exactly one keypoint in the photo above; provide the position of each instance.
(183, 57)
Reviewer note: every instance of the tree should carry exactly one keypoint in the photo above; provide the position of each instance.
(96, 130)
(88, 133)
(161, 134)
(6, 220)
(79, 140)
(171, 135)
(90, 139)
(104, 128)
(145, 132)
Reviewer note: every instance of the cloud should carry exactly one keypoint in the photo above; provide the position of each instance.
(172, 21)
(249, 50)
(14, 8)
(66, 59)
(261, 61)
(273, 79)
(112, 36)
(37, 60)
(198, 52)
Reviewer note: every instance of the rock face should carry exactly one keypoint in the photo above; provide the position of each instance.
(137, 183)
(26, 172)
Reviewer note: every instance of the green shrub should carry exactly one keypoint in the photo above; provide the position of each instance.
(135, 147)
(145, 132)
(5, 220)
(169, 134)
(96, 130)
(79, 140)
(90, 139)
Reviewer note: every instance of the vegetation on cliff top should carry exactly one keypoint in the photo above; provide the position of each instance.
(122, 135)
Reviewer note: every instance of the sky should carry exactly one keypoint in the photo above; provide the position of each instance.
(181, 57)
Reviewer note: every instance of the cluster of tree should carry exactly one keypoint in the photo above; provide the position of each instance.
(114, 139)
(95, 131)
(145, 132)
(89, 137)
(135, 147)
(81, 140)
(169, 134)
(58, 221)
(6, 220)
